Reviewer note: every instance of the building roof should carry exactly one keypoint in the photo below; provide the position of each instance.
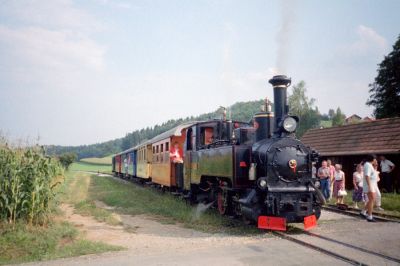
(354, 116)
(371, 137)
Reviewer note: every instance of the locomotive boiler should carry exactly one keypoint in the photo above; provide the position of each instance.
(258, 171)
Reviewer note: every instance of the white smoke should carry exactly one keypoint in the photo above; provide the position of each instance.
(200, 209)
(285, 34)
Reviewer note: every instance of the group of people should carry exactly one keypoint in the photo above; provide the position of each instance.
(332, 181)
(365, 181)
(371, 194)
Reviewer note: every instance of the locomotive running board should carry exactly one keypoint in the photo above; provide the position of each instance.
(310, 222)
(272, 223)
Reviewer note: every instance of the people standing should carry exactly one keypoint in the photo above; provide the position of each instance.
(369, 187)
(332, 177)
(324, 176)
(176, 157)
(176, 154)
(386, 168)
(339, 184)
(378, 197)
(358, 186)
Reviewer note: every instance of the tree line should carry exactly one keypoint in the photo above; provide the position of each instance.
(309, 115)
(384, 97)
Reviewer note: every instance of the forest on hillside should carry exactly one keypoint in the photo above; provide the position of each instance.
(241, 111)
(301, 106)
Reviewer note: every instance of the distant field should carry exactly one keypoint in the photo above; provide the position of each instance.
(90, 167)
(104, 160)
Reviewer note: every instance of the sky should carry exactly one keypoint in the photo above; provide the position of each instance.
(83, 72)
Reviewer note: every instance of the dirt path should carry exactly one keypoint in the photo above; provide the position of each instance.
(144, 234)
(149, 242)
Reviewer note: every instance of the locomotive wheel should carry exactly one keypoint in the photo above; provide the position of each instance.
(223, 202)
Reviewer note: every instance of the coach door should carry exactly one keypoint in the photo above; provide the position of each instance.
(190, 156)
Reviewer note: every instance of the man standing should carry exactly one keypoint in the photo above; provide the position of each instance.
(177, 160)
(386, 169)
(324, 176)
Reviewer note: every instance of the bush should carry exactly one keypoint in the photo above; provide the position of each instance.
(27, 184)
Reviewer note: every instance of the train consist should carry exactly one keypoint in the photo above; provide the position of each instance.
(257, 170)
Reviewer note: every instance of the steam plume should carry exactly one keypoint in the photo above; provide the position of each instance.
(285, 33)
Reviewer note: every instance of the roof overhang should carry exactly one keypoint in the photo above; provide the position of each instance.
(354, 153)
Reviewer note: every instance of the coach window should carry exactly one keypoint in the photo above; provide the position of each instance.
(161, 153)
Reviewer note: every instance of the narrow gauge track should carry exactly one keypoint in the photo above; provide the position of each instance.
(356, 213)
(304, 243)
(329, 252)
(317, 248)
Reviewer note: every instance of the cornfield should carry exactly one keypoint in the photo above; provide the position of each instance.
(28, 183)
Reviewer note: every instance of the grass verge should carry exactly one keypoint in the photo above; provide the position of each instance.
(90, 167)
(75, 192)
(132, 199)
(105, 160)
(390, 202)
(21, 243)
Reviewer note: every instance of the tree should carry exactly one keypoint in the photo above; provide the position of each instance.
(385, 91)
(338, 118)
(66, 159)
(301, 106)
(331, 113)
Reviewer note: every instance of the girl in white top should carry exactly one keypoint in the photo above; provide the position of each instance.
(339, 184)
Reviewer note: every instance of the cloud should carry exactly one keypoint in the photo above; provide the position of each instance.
(51, 14)
(369, 41)
(116, 4)
(48, 42)
(39, 47)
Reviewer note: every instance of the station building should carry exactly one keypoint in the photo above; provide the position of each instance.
(348, 144)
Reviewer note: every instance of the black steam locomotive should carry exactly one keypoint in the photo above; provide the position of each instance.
(258, 171)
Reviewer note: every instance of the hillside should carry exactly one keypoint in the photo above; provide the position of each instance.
(241, 111)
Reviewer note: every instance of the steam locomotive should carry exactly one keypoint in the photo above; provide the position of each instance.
(258, 171)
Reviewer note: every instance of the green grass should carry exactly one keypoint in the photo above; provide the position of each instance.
(390, 202)
(89, 167)
(22, 243)
(131, 199)
(104, 161)
(89, 208)
(326, 124)
(75, 192)
(59, 240)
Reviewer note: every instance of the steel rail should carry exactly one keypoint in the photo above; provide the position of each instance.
(354, 213)
(322, 250)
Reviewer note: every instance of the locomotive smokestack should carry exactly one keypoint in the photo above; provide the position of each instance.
(280, 84)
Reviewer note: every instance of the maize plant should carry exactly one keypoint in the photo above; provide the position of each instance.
(27, 184)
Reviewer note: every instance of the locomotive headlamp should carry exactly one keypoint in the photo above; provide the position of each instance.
(289, 124)
(262, 183)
